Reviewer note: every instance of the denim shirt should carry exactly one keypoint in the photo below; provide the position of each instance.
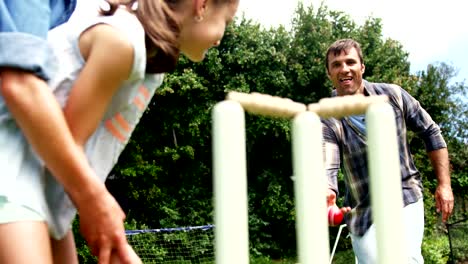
(345, 148)
(23, 33)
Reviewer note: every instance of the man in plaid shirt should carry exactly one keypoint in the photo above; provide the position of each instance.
(345, 148)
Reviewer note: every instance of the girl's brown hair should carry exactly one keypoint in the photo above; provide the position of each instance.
(161, 29)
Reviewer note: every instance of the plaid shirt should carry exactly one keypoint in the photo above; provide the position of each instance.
(345, 148)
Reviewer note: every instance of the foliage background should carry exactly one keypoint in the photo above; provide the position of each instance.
(164, 178)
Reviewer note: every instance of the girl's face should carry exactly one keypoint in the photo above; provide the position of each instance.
(204, 27)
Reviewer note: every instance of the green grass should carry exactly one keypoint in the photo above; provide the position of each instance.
(342, 257)
(265, 260)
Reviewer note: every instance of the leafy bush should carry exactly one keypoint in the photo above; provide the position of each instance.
(436, 249)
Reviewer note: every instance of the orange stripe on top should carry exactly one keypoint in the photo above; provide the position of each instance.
(139, 103)
(122, 122)
(144, 91)
(114, 131)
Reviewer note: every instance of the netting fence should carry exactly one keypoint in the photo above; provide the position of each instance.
(458, 240)
(183, 245)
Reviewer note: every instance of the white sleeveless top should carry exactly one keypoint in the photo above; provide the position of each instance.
(124, 112)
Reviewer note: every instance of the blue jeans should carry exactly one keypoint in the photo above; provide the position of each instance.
(365, 247)
(23, 33)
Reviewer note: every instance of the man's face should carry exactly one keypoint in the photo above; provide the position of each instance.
(345, 71)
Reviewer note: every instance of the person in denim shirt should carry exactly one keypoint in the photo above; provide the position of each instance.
(29, 109)
(345, 148)
(99, 59)
(23, 32)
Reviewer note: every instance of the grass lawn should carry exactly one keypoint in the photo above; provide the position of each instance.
(342, 257)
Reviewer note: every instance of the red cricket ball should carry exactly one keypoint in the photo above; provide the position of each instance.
(335, 216)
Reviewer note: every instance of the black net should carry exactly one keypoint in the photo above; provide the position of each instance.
(458, 239)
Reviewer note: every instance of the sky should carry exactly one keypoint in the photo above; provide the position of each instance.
(430, 30)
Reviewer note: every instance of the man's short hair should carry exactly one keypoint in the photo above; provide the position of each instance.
(343, 45)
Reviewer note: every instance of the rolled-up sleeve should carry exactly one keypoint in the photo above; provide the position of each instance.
(27, 52)
(420, 122)
(23, 34)
(331, 154)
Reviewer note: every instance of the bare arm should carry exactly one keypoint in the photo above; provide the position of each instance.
(109, 60)
(38, 114)
(443, 194)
